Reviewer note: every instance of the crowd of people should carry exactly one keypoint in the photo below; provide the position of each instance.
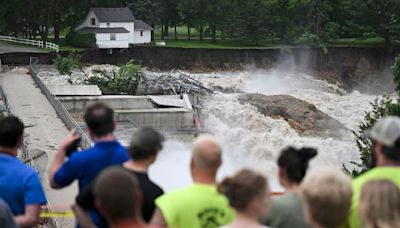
(115, 189)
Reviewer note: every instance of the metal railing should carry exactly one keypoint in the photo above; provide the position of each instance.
(37, 43)
(4, 107)
(61, 111)
(25, 156)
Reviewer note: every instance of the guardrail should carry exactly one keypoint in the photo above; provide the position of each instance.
(61, 111)
(26, 156)
(37, 43)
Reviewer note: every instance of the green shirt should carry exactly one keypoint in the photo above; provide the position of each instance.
(287, 212)
(388, 173)
(195, 206)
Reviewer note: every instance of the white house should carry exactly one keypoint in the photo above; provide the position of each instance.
(115, 28)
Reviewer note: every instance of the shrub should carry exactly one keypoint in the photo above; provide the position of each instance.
(123, 81)
(83, 40)
(380, 108)
(396, 73)
(65, 65)
(332, 30)
(367, 35)
(309, 39)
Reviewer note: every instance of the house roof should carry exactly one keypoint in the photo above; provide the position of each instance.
(102, 30)
(141, 25)
(114, 14)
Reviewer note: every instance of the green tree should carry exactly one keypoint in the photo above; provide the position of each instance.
(149, 11)
(379, 16)
(169, 17)
(248, 20)
(187, 13)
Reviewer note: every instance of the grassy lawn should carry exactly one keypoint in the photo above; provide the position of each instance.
(220, 44)
(195, 43)
(377, 41)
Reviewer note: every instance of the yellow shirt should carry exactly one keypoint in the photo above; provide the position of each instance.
(387, 173)
(195, 206)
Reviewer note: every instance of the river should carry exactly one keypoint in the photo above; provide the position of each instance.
(250, 139)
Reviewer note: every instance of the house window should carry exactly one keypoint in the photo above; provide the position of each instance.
(141, 32)
(113, 36)
(92, 21)
(108, 24)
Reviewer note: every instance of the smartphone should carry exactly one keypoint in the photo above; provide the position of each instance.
(74, 145)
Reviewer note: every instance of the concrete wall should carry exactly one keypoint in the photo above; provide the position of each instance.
(138, 110)
(115, 102)
(74, 90)
(171, 118)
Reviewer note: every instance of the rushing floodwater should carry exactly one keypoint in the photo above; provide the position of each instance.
(250, 139)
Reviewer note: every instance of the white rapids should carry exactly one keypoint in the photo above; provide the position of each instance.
(253, 140)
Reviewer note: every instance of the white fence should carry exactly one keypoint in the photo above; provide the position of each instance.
(37, 43)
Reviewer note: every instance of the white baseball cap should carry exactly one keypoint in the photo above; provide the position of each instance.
(385, 131)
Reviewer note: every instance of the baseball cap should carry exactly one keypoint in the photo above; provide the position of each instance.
(385, 131)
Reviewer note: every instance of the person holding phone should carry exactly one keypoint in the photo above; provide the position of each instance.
(85, 165)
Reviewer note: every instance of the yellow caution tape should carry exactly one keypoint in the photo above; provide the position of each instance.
(63, 214)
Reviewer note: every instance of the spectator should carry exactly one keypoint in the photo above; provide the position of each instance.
(6, 216)
(200, 204)
(287, 210)
(327, 195)
(84, 166)
(145, 145)
(118, 198)
(380, 204)
(20, 186)
(385, 136)
(248, 193)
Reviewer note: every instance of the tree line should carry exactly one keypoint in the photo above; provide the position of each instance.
(287, 21)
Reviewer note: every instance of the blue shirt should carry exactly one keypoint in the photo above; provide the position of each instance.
(85, 165)
(19, 185)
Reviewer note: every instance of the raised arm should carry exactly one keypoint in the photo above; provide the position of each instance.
(60, 157)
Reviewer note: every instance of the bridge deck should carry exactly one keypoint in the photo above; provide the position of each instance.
(45, 131)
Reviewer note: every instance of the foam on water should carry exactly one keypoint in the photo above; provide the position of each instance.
(253, 140)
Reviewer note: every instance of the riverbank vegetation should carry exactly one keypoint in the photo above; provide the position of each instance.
(380, 107)
(222, 23)
(123, 80)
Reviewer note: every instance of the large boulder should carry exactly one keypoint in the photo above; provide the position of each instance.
(304, 117)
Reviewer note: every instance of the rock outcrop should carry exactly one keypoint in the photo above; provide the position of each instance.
(304, 117)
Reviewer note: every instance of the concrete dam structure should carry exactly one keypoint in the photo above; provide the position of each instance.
(168, 113)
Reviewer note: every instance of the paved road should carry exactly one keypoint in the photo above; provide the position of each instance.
(44, 132)
(9, 48)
